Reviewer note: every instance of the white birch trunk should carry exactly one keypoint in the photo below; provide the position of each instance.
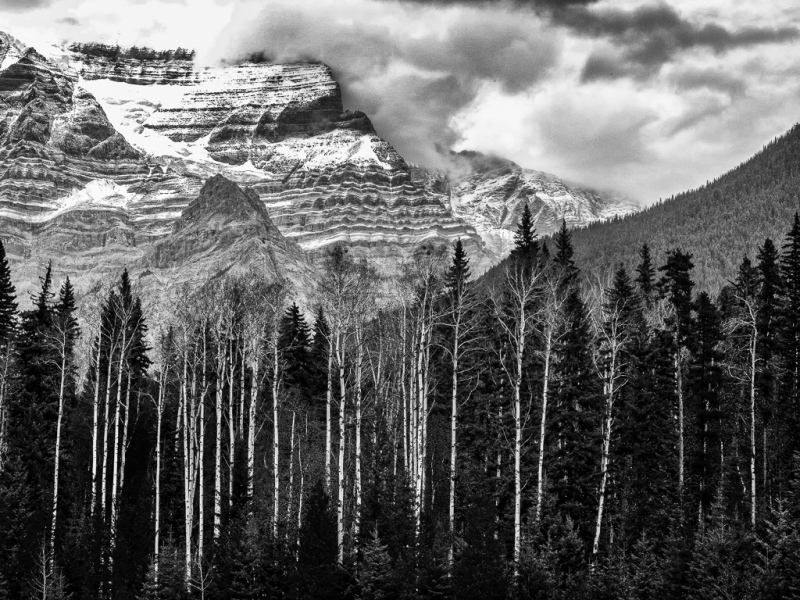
(57, 457)
(453, 449)
(157, 519)
(251, 433)
(753, 358)
(276, 490)
(328, 424)
(548, 339)
(95, 417)
(342, 408)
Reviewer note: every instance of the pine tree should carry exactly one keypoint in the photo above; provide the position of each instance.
(564, 259)
(704, 384)
(8, 324)
(789, 333)
(778, 555)
(295, 336)
(526, 247)
(768, 314)
(375, 577)
(8, 303)
(676, 288)
(645, 275)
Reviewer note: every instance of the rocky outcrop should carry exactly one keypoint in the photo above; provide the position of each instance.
(226, 229)
(490, 193)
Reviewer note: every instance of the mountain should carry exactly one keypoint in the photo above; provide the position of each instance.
(228, 229)
(490, 193)
(103, 151)
(718, 223)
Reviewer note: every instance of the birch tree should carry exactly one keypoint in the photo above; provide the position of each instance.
(514, 303)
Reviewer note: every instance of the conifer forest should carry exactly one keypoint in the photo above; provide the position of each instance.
(534, 432)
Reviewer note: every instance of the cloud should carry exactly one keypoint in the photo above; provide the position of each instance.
(23, 5)
(70, 21)
(410, 67)
(651, 35)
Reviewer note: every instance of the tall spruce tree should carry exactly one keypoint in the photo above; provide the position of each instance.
(295, 336)
(789, 339)
(8, 324)
(645, 275)
(576, 416)
(770, 291)
(704, 384)
(526, 246)
(676, 288)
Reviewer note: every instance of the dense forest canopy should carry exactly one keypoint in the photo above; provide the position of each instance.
(535, 434)
(718, 223)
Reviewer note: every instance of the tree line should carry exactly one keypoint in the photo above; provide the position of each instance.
(535, 433)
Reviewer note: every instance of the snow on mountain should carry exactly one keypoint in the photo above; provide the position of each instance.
(493, 192)
(102, 151)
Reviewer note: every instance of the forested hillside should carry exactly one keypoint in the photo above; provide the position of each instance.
(424, 437)
(718, 223)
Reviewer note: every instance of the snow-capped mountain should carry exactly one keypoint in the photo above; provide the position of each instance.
(493, 192)
(103, 152)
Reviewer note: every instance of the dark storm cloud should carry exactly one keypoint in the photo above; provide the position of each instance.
(410, 80)
(23, 5)
(650, 36)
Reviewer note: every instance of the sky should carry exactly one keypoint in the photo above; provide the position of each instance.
(645, 97)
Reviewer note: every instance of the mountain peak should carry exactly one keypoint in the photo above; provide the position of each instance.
(222, 202)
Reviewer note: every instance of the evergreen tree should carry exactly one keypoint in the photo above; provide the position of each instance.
(703, 386)
(770, 290)
(526, 246)
(564, 259)
(789, 333)
(645, 275)
(294, 339)
(8, 302)
(458, 272)
(576, 415)
(375, 576)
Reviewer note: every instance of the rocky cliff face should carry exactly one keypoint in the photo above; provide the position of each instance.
(104, 156)
(491, 193)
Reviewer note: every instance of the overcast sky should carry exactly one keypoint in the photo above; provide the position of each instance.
(649, 98)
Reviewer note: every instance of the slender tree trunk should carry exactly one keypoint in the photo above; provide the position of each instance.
(604, 458)
(679, 387)
(201, 508)
(157, 525)
(518, 451)
(290, 491)
(251, 431)
(276, 489)
(342, 408)
(116, 459)
(188, 496)
(753, 358)
(231, 426)
(359, 365)
(453, 449)
(106, 423)
(57, 457)
(218, 463)
(548, 338)
(125, 425)
(328, 425)
(241, 389)
(3, 408)
(95, 417)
